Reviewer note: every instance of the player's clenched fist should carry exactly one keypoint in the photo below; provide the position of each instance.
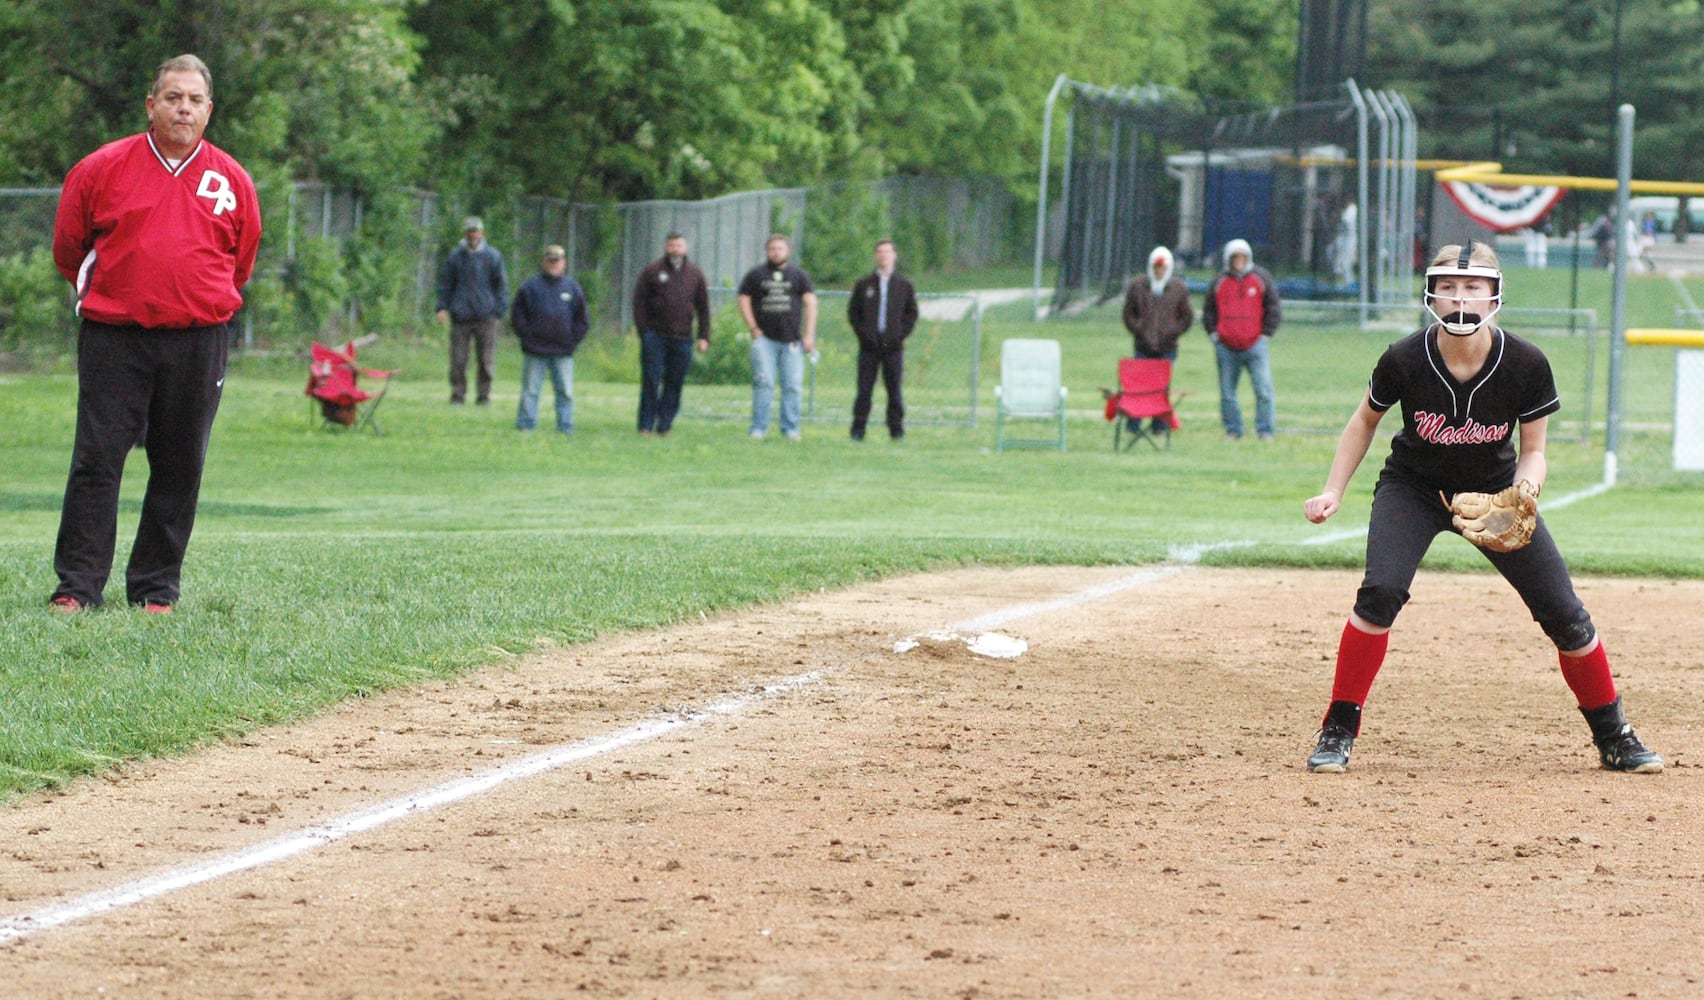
(1323, 506)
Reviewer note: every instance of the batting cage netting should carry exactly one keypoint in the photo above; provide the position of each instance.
(1324, 191)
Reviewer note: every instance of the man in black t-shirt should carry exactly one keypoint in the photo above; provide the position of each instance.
(779, 306)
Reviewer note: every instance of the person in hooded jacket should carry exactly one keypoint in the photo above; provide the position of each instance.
(549, 317)
(1241, 312)
(473, 290)
(1157, 312)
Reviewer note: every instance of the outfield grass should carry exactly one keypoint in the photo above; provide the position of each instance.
(327, 565)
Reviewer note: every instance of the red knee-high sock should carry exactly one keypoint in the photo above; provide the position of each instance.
(1588, 677)
(1359, 656)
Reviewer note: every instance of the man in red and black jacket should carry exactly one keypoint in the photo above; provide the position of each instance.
(158, 233)
(1241, 313)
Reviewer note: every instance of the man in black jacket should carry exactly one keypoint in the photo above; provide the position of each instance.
(882, 311)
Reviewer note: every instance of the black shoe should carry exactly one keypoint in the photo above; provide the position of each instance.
(1331, 756)
(1626, 753)
(857, 435)
(1336, 737)
(1618, 748)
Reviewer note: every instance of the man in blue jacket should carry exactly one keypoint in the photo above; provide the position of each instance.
(473, 290)
(549, 316)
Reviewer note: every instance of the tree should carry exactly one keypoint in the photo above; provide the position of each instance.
(643, 99)
(315, 88)
(1529, 83)
(1245, 51)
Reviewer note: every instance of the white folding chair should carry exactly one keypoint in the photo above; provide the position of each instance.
(1029, 389)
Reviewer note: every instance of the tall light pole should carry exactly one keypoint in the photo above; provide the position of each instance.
(1615, 77)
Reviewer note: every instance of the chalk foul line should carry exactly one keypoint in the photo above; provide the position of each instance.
(92, 904)
(18, 927)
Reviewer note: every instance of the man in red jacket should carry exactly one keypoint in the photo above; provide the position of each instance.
(1241, 313)
(158, 234)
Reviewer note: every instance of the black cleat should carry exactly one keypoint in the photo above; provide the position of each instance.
(1618, 747)
(1625, 753)
(1336, 736)
(1332, 754)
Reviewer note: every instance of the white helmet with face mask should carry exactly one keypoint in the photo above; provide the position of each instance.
(1457, 322)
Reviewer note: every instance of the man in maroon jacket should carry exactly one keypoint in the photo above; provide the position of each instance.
(158, 233)
(670, 293)
(1241, 313)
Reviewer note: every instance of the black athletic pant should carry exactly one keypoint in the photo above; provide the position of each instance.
(1404, 521)
(160, 388)
(889, 360)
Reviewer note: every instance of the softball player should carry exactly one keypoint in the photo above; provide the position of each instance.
(1467, 390)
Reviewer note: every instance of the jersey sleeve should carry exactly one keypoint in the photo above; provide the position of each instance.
(1384, 389)
(1541, 398)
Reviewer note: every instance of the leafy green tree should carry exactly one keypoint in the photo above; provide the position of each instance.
(842, 223)
(1243, 51)
(642, 99)
(959, 108)
(1530, 83)
(322, 87)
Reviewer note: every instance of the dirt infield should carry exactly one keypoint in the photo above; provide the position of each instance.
(1119, 812)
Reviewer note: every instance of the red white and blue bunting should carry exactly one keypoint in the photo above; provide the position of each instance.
(1504, 208)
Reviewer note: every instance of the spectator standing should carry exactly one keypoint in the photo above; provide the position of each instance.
(670, 293)
(473, 290)
(549, 317)
(1343, 244)
(1157, 312)
(882, 312)
(779, 306)
(1241, 313)
(1647, 240)
(1537, 244)
(158, 233)
(1603, 236)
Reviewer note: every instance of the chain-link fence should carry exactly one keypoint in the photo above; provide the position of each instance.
(1571, 340)
(942, 365)
(333, 264)
(608, 244)
(35, 303)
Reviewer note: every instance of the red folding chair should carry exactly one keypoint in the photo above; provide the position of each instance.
(333, 382)
(1144, 393)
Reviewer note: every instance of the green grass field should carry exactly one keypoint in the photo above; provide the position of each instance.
(328, 565)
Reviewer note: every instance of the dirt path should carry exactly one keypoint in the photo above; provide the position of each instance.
(1121, 811)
